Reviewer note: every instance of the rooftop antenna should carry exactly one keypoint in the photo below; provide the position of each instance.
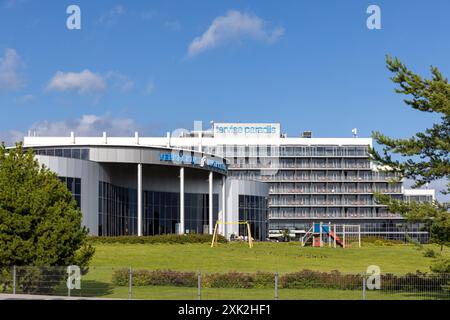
(355, 132)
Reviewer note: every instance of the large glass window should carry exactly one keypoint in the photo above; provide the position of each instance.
(74, 186)
(161, 211)
(254, 210)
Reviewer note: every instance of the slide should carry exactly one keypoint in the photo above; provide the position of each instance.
(338, 240)
(326, 229)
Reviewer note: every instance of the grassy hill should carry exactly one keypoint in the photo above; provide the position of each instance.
(280, 257)
(270, 257)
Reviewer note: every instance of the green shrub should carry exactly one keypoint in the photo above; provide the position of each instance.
(429, 253)
(296, 280)
(441, 265)
(417, 282)
(229, 280)
(374, 240)
(5, 279)
(316, 279)
(264, 280)
(164, 238)
(379, 243)
(121, 277)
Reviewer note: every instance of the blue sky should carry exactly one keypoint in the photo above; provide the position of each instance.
(153, 66)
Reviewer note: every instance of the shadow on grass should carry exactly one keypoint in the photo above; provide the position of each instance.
(408, 295)
(89, 288)
(92, 288)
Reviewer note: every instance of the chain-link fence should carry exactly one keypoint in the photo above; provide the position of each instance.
(129, 283)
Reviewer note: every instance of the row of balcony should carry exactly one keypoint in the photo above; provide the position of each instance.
(311, 215)
(283, 151)
(304, 202)
(276, 165)
(333, 191)
(293, 178)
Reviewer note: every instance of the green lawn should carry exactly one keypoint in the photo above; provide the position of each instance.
(274, 257)
(281, 257)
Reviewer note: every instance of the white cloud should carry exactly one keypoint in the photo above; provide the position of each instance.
(120, 81)
(232, 27)
(84, 81)
(112, 16)
(11, 137)
(87, 125)
(24, 99)
(10, 71)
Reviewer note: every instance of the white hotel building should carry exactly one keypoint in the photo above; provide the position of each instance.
(308, 179)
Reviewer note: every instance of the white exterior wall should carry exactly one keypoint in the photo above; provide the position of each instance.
(89, 173)
(236, 187)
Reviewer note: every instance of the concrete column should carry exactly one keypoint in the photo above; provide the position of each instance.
(224, 206)
(210, 202)
(139, 199)
(181, 228)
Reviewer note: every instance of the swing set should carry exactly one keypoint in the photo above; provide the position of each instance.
(216, 235)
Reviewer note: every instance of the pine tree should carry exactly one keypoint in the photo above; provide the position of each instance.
(425, 156)
(426, 153)
(40, 223)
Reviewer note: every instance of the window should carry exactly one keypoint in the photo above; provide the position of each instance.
(74, 186)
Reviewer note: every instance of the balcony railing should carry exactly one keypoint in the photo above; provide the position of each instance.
(279, 166)
(330, 191)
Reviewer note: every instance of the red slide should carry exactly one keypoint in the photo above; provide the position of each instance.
(338, 240)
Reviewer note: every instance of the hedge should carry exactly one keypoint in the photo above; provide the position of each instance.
(295, 280)
(164, 238)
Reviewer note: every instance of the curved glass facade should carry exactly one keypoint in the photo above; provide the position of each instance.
(161, 211)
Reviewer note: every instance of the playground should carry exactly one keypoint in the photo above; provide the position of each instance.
(332, 235)
(264, 256)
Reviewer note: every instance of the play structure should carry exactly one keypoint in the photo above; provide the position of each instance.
(332, 235)
(216, 227)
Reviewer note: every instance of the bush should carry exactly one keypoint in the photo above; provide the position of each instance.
(229, 280)
(296, 280)
(316, 279)
(155, 278)
(429, 253)
(418, 281)
(379, 243)
(163, 238)
(5, 279)
(377, 240)
(441, 266)
(264, 280)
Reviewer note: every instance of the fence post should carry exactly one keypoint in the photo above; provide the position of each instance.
(276, 285)
(130, 291)
(14, 279)
(364, 285)
(199, 287)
